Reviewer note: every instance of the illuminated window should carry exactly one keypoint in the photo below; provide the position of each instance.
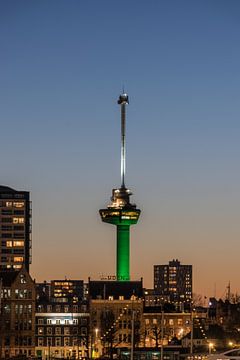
(19, 220)
(18, 259)
(8, 203)
(17, 266)
(40, 330)
(8, 243)
(18, 204)
(18, 243)
(171, 322)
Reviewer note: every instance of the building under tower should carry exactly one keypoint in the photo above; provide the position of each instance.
(121, 212)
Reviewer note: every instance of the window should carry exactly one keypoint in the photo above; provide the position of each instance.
(49, 331)
(40, 322)
(7, 220)
(75, 321)
(180, 321)
(49, 321)
(18, 259)
(57, 341)
(66, 331)
(23, 279)
(40, 330)
(18, 243)
(8, 243)
(58, 331)
(66, 341)
(49, 341)
(8, 203)
(58, 322)
(67, 321)
(6, 228)
(171, 322)
(18, 228)
(40, 341)
(147, 321)
(18, 220)
(17, 266)
(18, 204)
(49, 309)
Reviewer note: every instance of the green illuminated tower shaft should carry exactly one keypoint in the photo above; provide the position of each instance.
(121, 212)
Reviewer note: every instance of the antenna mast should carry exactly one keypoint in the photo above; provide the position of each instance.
(123, 101)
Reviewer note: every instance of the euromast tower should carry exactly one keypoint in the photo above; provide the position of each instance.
(121, 212)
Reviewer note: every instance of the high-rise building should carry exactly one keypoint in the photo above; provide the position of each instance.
(173, 281)
(121, 212)
(15, 229)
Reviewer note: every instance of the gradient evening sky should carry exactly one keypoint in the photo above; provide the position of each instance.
(62, 67)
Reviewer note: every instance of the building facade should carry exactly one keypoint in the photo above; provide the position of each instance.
(62, 320)
(17, 314)
(174, 281)
(116, 309)
(15, 229)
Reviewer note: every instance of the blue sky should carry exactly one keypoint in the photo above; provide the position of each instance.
(62, 67)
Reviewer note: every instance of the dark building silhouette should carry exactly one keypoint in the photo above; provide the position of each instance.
(174, 281)
(15, 229)
(17, 314)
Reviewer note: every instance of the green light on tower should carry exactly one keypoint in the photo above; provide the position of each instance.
(121, 212)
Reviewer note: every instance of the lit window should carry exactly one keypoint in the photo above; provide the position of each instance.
(19, 220)
(40, 330)
(18, 243)
(9, 244)
(18, 259)
(18, 204)
(8, 204)
(17, 266)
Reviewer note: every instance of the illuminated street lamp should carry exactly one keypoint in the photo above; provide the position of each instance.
(210, 347)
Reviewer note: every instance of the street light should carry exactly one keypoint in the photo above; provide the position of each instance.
(210, 347)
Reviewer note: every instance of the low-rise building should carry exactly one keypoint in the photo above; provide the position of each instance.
(17, 314)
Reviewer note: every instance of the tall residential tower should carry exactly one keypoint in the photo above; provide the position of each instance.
(15, 229)
(120, 211)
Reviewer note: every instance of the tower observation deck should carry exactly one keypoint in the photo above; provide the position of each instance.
(120, 211)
